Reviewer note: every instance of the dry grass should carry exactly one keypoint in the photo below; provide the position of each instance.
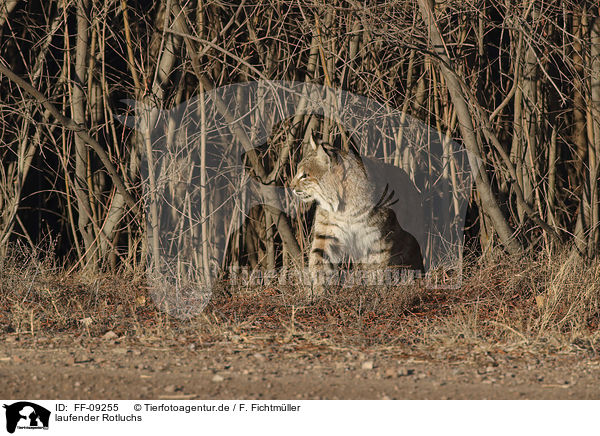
(536, 304)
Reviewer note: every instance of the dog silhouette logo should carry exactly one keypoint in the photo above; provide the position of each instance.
(26, 415)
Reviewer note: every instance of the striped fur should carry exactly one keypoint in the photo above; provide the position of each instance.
(354, 218)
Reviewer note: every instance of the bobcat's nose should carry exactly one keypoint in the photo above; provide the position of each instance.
(294, 187)
(294, 184)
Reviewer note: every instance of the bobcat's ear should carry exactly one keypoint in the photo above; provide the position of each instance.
(323, 156)
(313, 145)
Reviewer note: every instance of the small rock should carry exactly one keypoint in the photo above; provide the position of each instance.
(217, 378)
(259, 356)
(109, 335)
(389, 373)
(170, 389)
(367, 364)
(402, 372)
(86, 322)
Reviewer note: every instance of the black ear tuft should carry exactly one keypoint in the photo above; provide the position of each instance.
(334, 154)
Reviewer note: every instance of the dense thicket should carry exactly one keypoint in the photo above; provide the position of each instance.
(515, 82)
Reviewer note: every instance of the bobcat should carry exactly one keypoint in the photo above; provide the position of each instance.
(354, 219)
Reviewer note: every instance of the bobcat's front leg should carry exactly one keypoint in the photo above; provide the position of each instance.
(320, 268)
(322, 259)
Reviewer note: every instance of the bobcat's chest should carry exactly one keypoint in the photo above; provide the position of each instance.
(356, 238)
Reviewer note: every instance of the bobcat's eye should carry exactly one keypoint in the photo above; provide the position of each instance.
(302, 176)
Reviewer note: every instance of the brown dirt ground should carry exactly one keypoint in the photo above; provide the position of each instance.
(67, 366)
(525, 328)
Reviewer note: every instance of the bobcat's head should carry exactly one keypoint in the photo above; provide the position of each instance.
(325, 176)
(311, 174)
